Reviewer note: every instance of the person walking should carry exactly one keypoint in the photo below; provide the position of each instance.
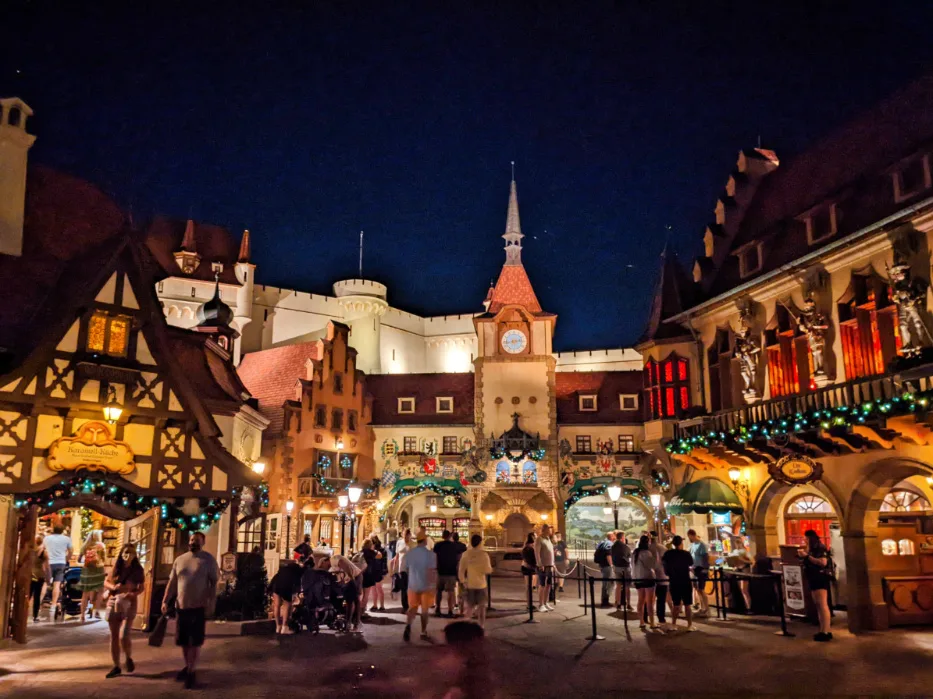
(561, 563)
(93, 575)
(40, 577)
(421, 566)
(530, 562)
(817, 569)
(661, 587)
(284, 585)
(372, 573)
(643, 571)
(353, 587)
(123, 586)
(302, 551)
(472, 571)
(620, 557)
(678, 564)
(446, 552)
(382, 565)
(603, 558)
(192, 589)
(58, 546)
(700, 553)
(402, 547)
(544, 555)
(461, 549)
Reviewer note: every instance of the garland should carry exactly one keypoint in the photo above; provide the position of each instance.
(417, 490)
(533, 454)
(332, 489)
(841, 417)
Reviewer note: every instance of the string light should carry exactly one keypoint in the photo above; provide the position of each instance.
(425, 487)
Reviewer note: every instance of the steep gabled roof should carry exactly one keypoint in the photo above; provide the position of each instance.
(514, 287)
(213, 243)
(607, 386)
(386, 389)
(272, 376)
(673, 294)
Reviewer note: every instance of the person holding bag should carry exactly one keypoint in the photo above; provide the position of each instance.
(123, 585)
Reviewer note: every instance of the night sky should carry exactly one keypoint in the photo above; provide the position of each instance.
(307, 122)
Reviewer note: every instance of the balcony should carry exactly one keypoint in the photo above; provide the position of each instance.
(313, 488)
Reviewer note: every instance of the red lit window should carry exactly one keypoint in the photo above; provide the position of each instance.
(667, 386)
(681, 369)
(684, 398)
(670, 408)
(668, 371)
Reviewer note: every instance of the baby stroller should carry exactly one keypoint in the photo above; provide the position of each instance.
(70, 598)
(321, 604)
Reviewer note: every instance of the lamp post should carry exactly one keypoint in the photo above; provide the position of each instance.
(289, 506)
(614, 492)
(343, 500)
(355, 493)
(655, 499)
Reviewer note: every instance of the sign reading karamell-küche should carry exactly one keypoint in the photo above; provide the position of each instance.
(795, 470)
(92, 448)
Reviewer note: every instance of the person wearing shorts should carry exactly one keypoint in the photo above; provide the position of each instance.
(700, 553)
(474, 568)
(544, 555)
(446, 553)
(420, 564)
(677, 565)
(58, 546)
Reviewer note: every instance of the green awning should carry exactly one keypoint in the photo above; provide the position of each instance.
(704, 496)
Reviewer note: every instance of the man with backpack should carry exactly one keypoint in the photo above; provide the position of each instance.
(603, 558)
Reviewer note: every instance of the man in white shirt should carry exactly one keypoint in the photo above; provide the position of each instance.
(544, 553)
(193, 587)
(58, 546)
(474, 567)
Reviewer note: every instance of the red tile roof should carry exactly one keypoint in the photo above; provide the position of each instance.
(213, 243)
(514, 287)
(272, 375)
(386, 389)
(607, 385)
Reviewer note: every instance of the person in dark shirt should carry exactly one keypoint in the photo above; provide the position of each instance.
(677, 565)
(284, 585)
(303, 550)
(461, 549)
(817, 568)
(620, 555)
(448, 560)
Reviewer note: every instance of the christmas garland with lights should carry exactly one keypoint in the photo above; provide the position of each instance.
(639, 493)
(533, 454)
(843, 417)
(346, 462)
(332, 489)
(417, 490)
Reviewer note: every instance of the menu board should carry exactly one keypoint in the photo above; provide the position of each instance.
(434, 526)
(793, 588)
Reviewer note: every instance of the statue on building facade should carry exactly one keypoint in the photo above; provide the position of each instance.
(909, 295)
(746, 351)
(814, 324)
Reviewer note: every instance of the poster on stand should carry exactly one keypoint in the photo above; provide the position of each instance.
(793, 588)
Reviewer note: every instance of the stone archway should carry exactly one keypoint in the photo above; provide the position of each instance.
(867, 607)
(516, 527)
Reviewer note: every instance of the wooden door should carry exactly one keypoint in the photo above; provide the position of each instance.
(144, 532)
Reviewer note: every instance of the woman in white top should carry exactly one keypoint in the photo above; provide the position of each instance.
(644, 565)
(400, 579)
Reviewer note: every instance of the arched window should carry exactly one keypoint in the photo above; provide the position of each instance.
(529, 473)
(904, 501)
(503, 472)
(808, 505)
(805, 512)
(667, 385)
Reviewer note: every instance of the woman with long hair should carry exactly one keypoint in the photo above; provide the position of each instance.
(123, 586)
(93, 574)
(41, 574)
(644, 565)
(382, 567)
(817, 568)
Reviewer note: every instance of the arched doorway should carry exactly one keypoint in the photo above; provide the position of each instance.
(516, 527)
(888, 524)
(589, 519)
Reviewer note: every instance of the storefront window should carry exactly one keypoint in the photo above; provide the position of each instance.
(433, 526)
(889, 547)
(462, 528)
(904, 501)
(905, 547)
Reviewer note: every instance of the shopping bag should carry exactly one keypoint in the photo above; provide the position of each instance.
(158, 632)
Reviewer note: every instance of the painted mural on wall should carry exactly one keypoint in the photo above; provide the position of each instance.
(587, 519)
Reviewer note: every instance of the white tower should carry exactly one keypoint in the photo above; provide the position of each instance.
(14, 146)
(363, 304)
(245, 273)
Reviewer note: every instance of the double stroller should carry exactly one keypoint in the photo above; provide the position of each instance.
(321, 604)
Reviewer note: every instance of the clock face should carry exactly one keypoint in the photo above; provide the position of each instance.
(514, 341)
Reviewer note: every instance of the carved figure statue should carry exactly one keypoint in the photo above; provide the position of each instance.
(745, 350)
(814, 324)
(909, 295)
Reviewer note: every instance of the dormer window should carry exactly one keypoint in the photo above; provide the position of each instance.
(912, 178)
(107, 334)
(821, 224)
(406, 406)
(628, 401)
(588, 403)
(749, 259)
(445, 405)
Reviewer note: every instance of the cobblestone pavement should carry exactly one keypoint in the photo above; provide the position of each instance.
(552, 658)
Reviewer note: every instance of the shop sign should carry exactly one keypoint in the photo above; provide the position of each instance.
(724, 518)
(92, 448)
(793, 588)
(796, 470)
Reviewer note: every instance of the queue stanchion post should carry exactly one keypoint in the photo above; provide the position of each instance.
(595, 636)
(725, 604)
(778, 580)
(584, 588)
(531, 603)
(578, 589)
(489, 593)
(625, 601)
(702, 588)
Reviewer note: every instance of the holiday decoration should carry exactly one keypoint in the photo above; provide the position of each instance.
(389, 477)
(429, 466)
(461, 502)
(533, 454)
(346, 462)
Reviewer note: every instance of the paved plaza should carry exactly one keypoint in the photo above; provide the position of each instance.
(552, 658)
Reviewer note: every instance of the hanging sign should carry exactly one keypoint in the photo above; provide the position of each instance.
(92, 448)
(796, 470)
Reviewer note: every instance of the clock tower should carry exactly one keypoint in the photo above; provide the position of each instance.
(514, 369)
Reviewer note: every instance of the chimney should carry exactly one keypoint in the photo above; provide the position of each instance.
(14, 145)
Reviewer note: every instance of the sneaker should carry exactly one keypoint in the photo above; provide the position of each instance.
(549, 607)
(374, 608)
(114, 672)
(406, 635)
(543, 609)
(691, 627)
(130, 665)
(382, 609)
(189, 681)
(182, 674)
(425, 637)
(702, 614)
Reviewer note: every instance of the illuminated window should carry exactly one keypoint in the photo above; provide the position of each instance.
(889, 547)
(410, 445)
(108, 334)
(904, 501)
(529, 473)
(869, 328)
(626, 443)
(810, 504)
(905, 547)
(667, 386)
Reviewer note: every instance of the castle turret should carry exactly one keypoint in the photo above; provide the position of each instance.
(14, 146)
(363, 303)
(245, 273)
(187, 256)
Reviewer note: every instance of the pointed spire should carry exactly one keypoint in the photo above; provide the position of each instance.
(513, 227)
(672, 294)
(187, 243)
(244, 247)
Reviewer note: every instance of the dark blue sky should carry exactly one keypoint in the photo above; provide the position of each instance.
(306, 122)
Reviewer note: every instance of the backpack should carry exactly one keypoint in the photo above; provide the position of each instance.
(601, 555)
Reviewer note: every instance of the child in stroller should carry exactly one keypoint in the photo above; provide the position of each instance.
(321, 600)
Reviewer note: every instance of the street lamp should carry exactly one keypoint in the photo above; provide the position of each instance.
(289, 506)
(355, 493)
(258, 467)
(655, 499)
(343, 500)
(614, 492)
(112, 410)
(741, 487)
(339, 443)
